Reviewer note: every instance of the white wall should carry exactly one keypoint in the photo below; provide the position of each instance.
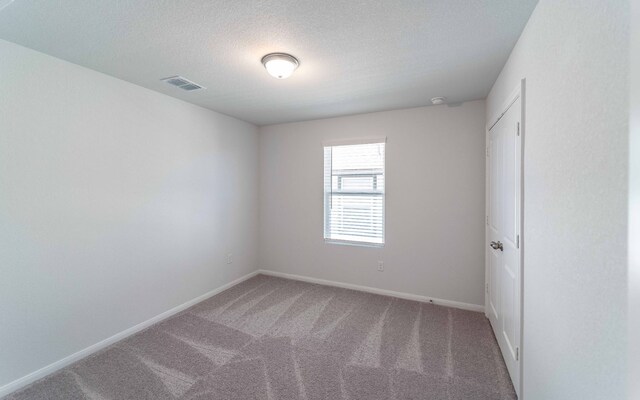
(434, 202)
(116, 204)
(634, 207)
(573, 55)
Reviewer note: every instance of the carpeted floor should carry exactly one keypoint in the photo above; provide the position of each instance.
(276, 339)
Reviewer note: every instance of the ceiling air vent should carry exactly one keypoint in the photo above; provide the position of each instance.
(182, 83)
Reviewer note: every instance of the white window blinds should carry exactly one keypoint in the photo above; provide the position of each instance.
(354, 193)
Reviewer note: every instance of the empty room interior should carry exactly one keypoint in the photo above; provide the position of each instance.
(338, 200)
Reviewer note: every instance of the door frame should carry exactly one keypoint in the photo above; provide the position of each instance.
(518, 92)
(634, 202)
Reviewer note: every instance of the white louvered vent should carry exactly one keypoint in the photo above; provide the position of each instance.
(182, 83)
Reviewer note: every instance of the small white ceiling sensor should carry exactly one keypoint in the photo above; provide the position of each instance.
(280, 65)
(438, 100)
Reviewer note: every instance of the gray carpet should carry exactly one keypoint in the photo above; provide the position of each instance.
(276, 339)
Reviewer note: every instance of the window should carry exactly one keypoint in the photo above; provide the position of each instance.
(354, 192)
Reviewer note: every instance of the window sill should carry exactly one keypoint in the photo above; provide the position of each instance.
(353, 243)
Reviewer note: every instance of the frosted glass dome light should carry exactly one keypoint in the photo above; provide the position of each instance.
(280, 65)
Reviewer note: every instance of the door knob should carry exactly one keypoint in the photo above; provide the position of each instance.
(496, 245)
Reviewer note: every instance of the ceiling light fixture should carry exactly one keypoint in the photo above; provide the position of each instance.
(280, 65)
(438, 100)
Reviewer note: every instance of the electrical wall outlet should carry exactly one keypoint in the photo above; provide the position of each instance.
(380, 266)
(229, 258)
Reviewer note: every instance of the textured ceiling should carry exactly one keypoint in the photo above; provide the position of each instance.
(356, 56)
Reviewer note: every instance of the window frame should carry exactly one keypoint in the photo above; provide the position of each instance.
(327, 212)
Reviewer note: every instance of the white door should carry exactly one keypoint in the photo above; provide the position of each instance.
(504, 234)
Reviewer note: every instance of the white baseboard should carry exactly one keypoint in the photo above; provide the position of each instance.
(51, 368)
(384, 292)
